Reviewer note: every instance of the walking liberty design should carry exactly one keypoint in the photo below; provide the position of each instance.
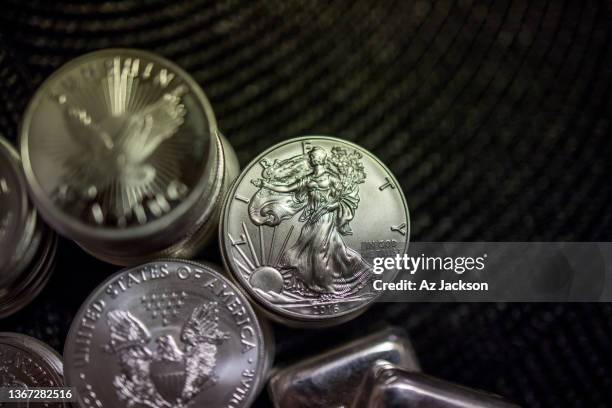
(323, 188)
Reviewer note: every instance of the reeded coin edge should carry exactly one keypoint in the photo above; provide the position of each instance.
(271, 310)
(99, 291)
(15, 162)
(68, 225)
(36, 279)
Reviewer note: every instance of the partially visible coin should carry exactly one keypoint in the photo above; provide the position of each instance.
(17, 217)
(122, 154)
(27, 245)
(296, 222)
(167, 334)
(28, 363)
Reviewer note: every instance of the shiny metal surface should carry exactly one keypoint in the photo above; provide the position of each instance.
(27, 362)
(294, 223)
(168, 333)
(31, 280)
(388, 386)
(17, 216)
(330, 380)
(196, 235)
(27, 246)
(122, 154)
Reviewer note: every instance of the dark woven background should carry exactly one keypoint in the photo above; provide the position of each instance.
(494, 115)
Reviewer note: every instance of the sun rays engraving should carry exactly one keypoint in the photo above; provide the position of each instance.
(261, 267)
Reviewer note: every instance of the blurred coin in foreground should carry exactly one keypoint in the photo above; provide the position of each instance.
(389, 386)
(122, 154)
(167, 334)
(27, 245)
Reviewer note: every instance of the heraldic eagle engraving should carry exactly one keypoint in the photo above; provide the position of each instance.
(166, 375)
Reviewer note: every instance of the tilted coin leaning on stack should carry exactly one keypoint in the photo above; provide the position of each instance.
(176, 334)
(293, 226)
(27, 245)
(28, 363)
(122, 154)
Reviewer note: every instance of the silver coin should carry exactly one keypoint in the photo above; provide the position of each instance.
(294, 224)
(166, 334)
(121, 150)
(27, 246)
(26, 362)
(32, 279)
(16, 215)
(205, 228)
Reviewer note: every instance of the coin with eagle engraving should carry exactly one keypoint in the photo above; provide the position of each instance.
(26, 362)
(122, 154)
(167, 334)
(302, 225)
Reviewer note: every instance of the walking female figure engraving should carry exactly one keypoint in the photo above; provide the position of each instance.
(324, 186)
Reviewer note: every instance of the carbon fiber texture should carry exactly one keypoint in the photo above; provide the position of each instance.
(494, 115)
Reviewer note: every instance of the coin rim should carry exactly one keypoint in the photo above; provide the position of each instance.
(73, 225)
(15, 163)
(37, 276)
(267, 306)
(100, 289)
(35, 346)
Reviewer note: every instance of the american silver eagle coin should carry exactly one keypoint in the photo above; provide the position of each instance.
(297, 224)
(167, 334)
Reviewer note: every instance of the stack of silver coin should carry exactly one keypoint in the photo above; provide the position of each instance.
(28, 363)
(27, 246)
(122, 154)
(175, 334)
(295, 225)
